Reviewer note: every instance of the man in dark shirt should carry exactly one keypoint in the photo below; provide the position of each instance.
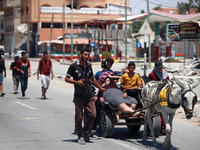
(23, 66)
(45, 68)
(81, 71)
(15, 74)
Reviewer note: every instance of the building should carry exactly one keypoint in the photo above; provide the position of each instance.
(40, 13)
(174, 10)
(11, 37)
(1, 27)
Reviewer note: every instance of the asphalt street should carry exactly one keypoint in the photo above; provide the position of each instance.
(35, 124)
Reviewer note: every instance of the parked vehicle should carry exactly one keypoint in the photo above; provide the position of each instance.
(19, 53)
(2, 49)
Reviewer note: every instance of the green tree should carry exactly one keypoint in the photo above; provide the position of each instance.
(135, 27)
(183, 7)
(157, 7)
(195, 4)
(142, 11)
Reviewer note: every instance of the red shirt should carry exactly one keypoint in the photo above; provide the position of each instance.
(45, 68)
(152, 76)
(24, 65)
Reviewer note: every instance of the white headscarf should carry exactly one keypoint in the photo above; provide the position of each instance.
(161, 75)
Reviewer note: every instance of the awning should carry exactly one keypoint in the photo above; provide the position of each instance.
(75, 41)
(67, 41)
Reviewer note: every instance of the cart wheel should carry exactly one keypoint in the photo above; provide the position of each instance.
(106, 124)
(156, 126)
(133, 128)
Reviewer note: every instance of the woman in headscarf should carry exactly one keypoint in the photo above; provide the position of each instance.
(114, 96)
(158, 72)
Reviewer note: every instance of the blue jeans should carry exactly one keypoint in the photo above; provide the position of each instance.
(24, 84)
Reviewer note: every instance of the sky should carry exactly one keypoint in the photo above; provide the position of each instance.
(138, 5)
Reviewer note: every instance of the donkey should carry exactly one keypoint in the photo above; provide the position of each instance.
(178, 93)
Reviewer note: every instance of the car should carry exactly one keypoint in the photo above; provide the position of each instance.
(2, 51)
(19, 53)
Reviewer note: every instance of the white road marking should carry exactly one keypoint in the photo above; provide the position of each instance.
(122, 144)
(25, 105)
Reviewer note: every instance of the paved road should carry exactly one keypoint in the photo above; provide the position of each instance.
(35, 124)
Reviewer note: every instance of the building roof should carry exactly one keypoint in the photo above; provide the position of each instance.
(159, 16)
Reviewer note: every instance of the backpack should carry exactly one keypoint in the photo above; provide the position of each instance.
(41, 63)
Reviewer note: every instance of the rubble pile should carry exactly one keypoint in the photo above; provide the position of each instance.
(189, 70)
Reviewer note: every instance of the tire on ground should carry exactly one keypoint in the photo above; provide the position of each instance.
(156, 126)
(106, 124)
(134, 128)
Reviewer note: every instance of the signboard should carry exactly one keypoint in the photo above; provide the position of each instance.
(189, 30)
(138, 44)
(92, 44)
(173, 32)
(176, 32)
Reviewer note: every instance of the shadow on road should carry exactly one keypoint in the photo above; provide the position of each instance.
(136, 138)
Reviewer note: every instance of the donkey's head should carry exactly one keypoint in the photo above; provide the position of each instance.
(188, 97)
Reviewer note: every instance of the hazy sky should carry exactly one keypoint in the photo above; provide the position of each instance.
(137, 5)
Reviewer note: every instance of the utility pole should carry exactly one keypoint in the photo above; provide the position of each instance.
(72, 5)
(51, 35)
(145, 53)
(149, 35)
(28, 36)
(126, 33)
(63, 32)
(13, 29)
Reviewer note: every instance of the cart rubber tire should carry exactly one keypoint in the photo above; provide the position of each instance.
(156, 126)
(133, 128)
(106, 124)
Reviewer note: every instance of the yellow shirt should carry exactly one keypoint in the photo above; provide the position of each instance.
(132, 82)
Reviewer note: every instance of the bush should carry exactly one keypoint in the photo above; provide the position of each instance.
(106, 55)
(78, 53)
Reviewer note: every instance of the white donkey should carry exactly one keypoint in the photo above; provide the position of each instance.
(177, 93)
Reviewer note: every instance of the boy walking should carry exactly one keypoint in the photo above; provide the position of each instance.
(81, 71)
(15, 74)
(45, 68)
(23, 66)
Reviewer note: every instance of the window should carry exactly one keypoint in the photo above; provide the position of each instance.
(55, 25)
(22, 10)
(27, 8)
(2, 25)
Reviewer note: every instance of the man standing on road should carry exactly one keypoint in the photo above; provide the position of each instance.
(2, 69)
(45, 68)
(15, 74)
(81, 71)
(23, 66)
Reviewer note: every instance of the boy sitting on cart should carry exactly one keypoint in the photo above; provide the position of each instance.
(131, 83)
